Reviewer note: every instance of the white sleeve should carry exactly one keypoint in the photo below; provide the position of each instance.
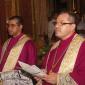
(65, 79)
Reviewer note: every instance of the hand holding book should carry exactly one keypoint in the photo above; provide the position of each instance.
(32, 69)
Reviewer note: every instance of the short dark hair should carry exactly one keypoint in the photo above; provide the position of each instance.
(71, 14)
(18, 18)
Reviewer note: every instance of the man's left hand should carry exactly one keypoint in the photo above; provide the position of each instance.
(51, 78)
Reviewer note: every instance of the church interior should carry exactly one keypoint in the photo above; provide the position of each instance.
(36, 14)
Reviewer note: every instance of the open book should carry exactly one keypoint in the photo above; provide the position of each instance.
(32, 69)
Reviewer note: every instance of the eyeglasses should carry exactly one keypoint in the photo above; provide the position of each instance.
(12, 25)
(62, 23)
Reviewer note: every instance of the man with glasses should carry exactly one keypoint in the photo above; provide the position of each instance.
(65, 62)
(19, 47)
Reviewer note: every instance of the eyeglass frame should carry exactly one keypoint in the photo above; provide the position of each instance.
(13, 25)
(63, 23)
